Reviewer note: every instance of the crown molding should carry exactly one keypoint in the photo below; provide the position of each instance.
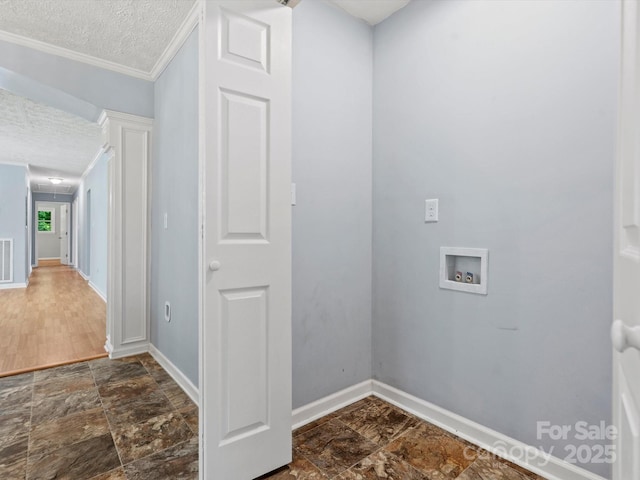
(190, 22)
(76, 56)
(97, 157)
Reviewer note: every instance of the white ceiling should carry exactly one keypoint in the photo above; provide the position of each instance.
(371, 11)
(133, 33)
(53, 142)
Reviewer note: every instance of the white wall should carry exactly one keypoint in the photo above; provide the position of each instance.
(92, 245)
(506, 112)
(174, 191)
(13, 216)
(332, 81)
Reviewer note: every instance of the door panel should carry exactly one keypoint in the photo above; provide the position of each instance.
(626, 328)
(246, 330)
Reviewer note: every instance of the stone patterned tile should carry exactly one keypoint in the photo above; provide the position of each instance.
(333, 447)
(71, 370)
(63, 431)
(493, 469)
(379, 421)
(177, 397)
(299, 469)
(191, 416)
(158, 433)
(55, 406)
(439, 455)
(14, 381)
(127, 390)
(14, 427)
(382, 465)
(314, 424)
(16, 400)
(80, 460)
(176, 463)
(138, 410)
(106, 370)
(117, 474)
(63, 385)
(13, 459)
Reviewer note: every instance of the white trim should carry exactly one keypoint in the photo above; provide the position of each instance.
(96, 157)
(125, 351)
(181, 379)
(83, 275)
(188, 25)
(318, 409)
(97, 290)
(76, 56)
(554, 469)
(7, 286)
(48, 258)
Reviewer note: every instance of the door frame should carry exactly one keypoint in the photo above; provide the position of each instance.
(35, 227)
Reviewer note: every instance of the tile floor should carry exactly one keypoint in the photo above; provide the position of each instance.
(128, 420)
(372, 439)
(101, 420)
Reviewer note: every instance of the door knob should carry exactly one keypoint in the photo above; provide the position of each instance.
(623, 337)
(214, 265)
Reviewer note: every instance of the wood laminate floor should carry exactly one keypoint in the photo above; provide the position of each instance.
(57, 319)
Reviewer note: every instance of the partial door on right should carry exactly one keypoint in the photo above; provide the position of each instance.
(626, 326)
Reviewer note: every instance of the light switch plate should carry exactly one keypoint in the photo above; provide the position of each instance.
(431, 210)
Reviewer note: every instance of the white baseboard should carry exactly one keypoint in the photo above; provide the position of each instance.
(49, 258)
(314, 410)
(122, 352)
(82, 274)
(189, 388)
(550, 467)
(7, 286)
(97, 290)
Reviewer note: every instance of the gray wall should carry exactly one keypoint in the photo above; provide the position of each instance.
(46, 197)
(332, 81)
(48, 242)
(92, 249)
(505, 111)
(13, 216)
(174, 191)
(99, 87)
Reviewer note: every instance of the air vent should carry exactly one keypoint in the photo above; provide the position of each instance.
(6, 260)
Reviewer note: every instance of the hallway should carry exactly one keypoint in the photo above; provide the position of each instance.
(56, 320)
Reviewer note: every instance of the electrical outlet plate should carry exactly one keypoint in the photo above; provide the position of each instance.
(431, 210)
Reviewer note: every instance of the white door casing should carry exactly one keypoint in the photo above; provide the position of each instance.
(245, 381)
(127, 142)
(63, 235)
(626, 327)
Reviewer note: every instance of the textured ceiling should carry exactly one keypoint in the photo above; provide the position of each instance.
(133, 33)
(371, 11)
(54, 142)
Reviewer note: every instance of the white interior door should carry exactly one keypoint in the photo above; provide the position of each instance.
(64, 234)
(246, 330)
(626, 326)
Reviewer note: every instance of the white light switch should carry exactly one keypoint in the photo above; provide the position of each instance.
(293, 194)
(431, 210)
(166, 222)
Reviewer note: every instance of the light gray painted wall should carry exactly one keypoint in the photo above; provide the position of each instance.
(99, 87)
(48, 242)
(13, 212)
(332, 115)
(174, 191)
(93, 248)
(45, 197)
(506, 112)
